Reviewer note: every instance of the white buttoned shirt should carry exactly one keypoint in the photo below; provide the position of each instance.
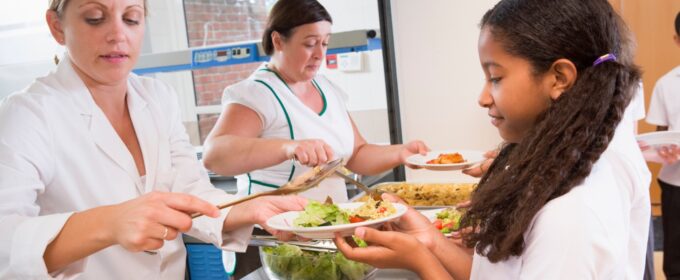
(59, 154)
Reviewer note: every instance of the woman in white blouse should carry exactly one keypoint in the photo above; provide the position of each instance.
(97, 176)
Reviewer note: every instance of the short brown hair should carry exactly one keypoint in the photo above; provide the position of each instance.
(60, 5)
(288, 14)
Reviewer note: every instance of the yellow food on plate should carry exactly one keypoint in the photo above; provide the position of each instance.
(447, 159)
(372, 209)
(428, 194)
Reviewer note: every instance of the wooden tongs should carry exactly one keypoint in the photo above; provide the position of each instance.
(300, 183)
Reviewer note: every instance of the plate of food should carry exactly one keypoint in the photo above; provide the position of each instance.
(323, 220)
(446, 159)
(446, 220)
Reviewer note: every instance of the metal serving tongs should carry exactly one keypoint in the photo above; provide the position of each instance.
(375, 194)
(321, 245)
(300, 183)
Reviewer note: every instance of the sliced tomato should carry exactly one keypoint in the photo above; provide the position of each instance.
(437, 224)
(355, 219)
(382, 210)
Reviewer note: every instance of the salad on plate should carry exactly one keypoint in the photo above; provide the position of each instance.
(318, 214)
(325, 220)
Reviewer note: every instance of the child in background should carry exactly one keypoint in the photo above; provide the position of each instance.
(566, 198)
(664, 112)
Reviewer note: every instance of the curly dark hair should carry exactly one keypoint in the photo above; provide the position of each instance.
(558, 153)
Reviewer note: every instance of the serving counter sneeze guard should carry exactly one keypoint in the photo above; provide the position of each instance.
(245, 52)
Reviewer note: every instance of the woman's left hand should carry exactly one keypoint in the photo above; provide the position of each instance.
(412, 148)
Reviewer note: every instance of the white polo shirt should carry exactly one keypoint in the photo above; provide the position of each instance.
(284, 116)
(598, 230)
(664, 110)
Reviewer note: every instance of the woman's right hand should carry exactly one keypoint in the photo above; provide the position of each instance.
(309, 152)
(144, 223)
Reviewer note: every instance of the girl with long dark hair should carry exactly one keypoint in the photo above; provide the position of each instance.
(566, 198)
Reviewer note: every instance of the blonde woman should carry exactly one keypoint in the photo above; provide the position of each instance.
(97, 176)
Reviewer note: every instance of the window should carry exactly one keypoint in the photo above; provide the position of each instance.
(217, 22)
(28, 49)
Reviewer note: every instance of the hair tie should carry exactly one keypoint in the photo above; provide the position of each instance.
(604, 58)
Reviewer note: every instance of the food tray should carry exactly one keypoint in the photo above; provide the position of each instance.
(426, 195)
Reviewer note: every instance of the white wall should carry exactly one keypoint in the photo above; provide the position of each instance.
(439, 78)
(366, 89)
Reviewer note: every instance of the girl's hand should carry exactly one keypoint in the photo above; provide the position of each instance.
(389, 249)
(412, 148)
(478, 170)
(144, 223)
(415, 224)
(457, 238)
(310, 152)
(420, 227)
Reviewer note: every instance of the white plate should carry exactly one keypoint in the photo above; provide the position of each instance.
(471, 158)
(660, 138)
(284, 222)
(431, 214)
(657, 140)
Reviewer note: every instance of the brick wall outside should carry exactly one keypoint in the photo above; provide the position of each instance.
(211, 22)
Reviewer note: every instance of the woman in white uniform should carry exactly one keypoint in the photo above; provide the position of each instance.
(286, 111)
(97, 176)
(567, 197)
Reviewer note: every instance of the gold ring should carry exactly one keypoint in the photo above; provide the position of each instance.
(165, 232)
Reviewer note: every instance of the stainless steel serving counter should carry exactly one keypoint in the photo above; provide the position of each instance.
(248, 264)
(381, 274)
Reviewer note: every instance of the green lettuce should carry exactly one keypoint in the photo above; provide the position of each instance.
(318, 214)
(290, 262)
